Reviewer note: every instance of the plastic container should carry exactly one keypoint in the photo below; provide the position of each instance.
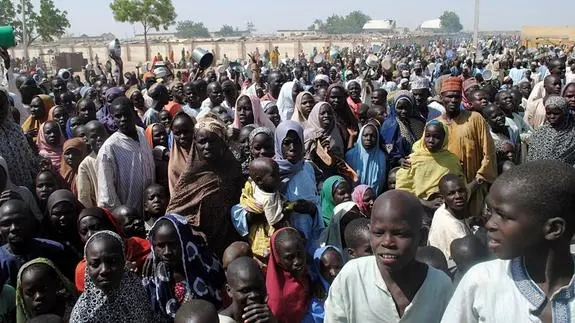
(7, 39)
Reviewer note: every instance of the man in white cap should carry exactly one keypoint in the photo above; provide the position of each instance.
(421, 92)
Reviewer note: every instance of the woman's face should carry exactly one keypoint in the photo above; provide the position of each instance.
(369, 137)
(63, 217)
(87, 110)
(291, 254)
(336, 97)
(368, 200)
(307, 103)
(183, 132)
(40, 285)
(209, 145)
(402, 109)
(341, 193)
(105, 263)
(292, 147)
(52, 133)
(569, 95)
(274, 115)
(244, 140)
(45, 185)
(137, 100)
(89, 225)
(262, 146)
(556, 117)
(167, 245)
(433, 137)
(73, 158)
(61, 116)
(354, 91)
(330, 264)
(37, 108)
(326, 117)
(159, 136)
(244, 110)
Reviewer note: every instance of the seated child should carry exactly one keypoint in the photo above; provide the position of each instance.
(467, 252)
(449, 221)
(531, 222)
(356, 236)
(130, 221)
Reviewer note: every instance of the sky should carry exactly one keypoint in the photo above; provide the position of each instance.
(93, 17)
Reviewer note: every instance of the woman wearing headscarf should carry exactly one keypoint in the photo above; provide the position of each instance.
(337, 98)
(190, 271)
(400, 131)
(430, 161)
(51, 142)
(24, 193)
(181, 143)
(73, 152)
(324, 139)
(469, 85)
(249, 111)
(556, 138)
(286, 99)
(95, 219)
(335, 190)
(39, 108)
(364, 197)
(304, 104)
(39, 274)
(344, 213)
(123, 298)
(60, 223)
(104, 115)
(299, 180)
(368, 159)
(210, 186)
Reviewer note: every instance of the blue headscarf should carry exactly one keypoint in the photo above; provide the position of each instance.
(316, 311)
(69, 133)
(370, 165)
(203, 270)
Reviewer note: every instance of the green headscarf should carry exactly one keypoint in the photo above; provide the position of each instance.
(327, 202)
(68, 290)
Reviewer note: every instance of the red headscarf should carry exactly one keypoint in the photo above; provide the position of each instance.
(468, 83)
(288, 296)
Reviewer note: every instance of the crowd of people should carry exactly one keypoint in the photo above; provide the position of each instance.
(420, 190)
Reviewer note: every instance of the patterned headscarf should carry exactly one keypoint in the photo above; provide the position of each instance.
(557, 102)
(213, 125)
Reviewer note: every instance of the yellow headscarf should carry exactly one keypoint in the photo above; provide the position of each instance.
(30, 123)
(427, 168)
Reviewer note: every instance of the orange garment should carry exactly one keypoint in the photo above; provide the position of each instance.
(66, 170)
(34, 124)
(173, 107)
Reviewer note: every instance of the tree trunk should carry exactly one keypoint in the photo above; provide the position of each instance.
(146, 43)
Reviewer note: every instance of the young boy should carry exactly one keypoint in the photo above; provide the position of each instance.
(432, 257)
(532, 214)
(467, 252)
(130, 221)
(156, 198)
(87, 180)
(449, 220)
(356, 236)
(196, 311)
(382, 288)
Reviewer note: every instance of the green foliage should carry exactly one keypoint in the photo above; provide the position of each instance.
(227, 31)
(351, 24)
(190, 29)
(450, 22)
(7, 13)
(154, 14)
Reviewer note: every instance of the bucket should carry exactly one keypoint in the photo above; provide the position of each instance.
(7, 39)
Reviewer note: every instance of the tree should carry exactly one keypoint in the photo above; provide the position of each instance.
(450, 22)
(227, 31)
(190, 29)
(154, 14)
(47, 24)
(351, 24)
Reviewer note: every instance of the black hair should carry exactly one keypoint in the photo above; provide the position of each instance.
(288, 233)
(122, 101)
(547, 190)
(433, 257)
(474, 92)
(354, 231)
(242, 264)
(382, 91)
(468, 251)
(449, 178)
(491, 92)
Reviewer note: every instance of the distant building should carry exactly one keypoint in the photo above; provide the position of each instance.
(295, 32)
(85, 38)
(433, 25)
(157, 36)
(379, 26)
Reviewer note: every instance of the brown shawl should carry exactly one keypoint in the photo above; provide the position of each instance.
(177, 163)
(205, 194)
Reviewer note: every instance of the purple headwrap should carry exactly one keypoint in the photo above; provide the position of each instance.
(104, 115)
(287, 169)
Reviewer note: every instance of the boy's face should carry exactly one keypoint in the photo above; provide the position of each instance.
(512, 230)
(363, 247)
(454, 194)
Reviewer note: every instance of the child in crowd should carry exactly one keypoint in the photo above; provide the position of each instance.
(467, 252)
(433, 257)
(328, 261)
(392, 178)
(157, 137)
(87, 178)
(335, 190)
(246, 287)
(197, 311)
(402, 287)
(234, 251)
(449, 221)
(531, 222)
(130, 221)
(356, 236)
(156, 200)
(364, 197)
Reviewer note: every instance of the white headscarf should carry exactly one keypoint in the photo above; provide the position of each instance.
(285, 101)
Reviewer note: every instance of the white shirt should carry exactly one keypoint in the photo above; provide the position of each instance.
(359, 294)
(502, 291)
(444, 229)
